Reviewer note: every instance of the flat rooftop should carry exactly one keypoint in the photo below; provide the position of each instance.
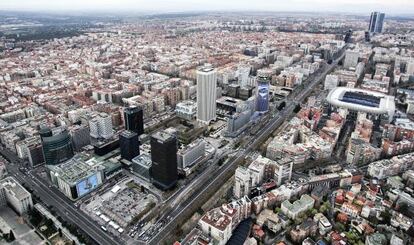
(162, 136)
(73, 170)
(14, 187)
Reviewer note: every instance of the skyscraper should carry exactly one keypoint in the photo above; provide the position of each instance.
(164, 171)
(134, 119)
(206, 93)
(57, 148)
(129, 144)
(262, 98)
(376, 22)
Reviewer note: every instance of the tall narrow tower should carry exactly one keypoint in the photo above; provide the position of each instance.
(376, 22)
(206, 93)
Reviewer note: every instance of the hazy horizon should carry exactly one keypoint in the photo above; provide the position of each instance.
(160, 6)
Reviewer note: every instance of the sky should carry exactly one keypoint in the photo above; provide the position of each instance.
(349, 6)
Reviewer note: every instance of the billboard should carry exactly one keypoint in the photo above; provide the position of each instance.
(87, 185)
(263, 96)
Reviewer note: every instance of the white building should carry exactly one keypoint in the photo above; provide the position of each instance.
(216, 225)
(292, 210)
(361, 100)
(410, 68)
(206, 93)
(331, 82)
(351, 59)
(12, 193)
(186, 110)
(101, 126)
(189, 155)
(243, 75)
(283, 171)
(241, 182)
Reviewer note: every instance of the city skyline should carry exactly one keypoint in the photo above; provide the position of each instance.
(205, 122)
(158, 6)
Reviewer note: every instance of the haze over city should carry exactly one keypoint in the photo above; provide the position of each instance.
(353, 6)
(278, 122)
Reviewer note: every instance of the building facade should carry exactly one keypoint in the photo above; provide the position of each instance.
(129, 144)
(206, 93)
(57, 147)
(134, 119)
(376, 22)
(164, 171)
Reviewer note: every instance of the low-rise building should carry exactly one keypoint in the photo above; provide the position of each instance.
(293, 210)
(76, 178)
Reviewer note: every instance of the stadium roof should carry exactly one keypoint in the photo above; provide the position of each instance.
(362, 100)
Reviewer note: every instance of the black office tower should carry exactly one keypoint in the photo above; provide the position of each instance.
(134, 119)
(164, 160)
(129, 144)
(57, 148)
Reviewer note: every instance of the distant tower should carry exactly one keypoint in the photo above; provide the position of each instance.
(129, 145)
(206, 93)
(134, 119)
(57, 148)
(376, 22)
(262, 97)
(164, 171)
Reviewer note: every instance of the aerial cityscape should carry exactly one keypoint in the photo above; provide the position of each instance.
(240, 123)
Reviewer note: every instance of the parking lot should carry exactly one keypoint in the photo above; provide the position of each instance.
(118, 207)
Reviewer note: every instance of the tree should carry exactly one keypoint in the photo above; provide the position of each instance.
(386, 216)
(60, 232)
(340, 227)
(403, 208)
(278, 210)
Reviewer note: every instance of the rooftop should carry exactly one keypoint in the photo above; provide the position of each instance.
(73, 170)
(362, 100)
(11, 185)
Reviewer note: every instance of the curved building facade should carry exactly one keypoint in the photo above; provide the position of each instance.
(361, 100)
(57, 148)
(262, 98)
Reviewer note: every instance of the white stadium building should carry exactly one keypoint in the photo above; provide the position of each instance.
(360, 100)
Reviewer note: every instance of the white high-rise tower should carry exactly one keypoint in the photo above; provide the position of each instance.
(206, 93)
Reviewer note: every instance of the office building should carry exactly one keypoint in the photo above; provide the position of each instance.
(351, 59)
(186, 110)
(134, 119)
(262, 97)
(80, 136)
(129, 144)
(376, 22)
(164, 160)
(101, 126)
(190, 154)
(35, 154)
(57, 147)
(13, 194)
(141, 166)
(76, 178)
(206, 93)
